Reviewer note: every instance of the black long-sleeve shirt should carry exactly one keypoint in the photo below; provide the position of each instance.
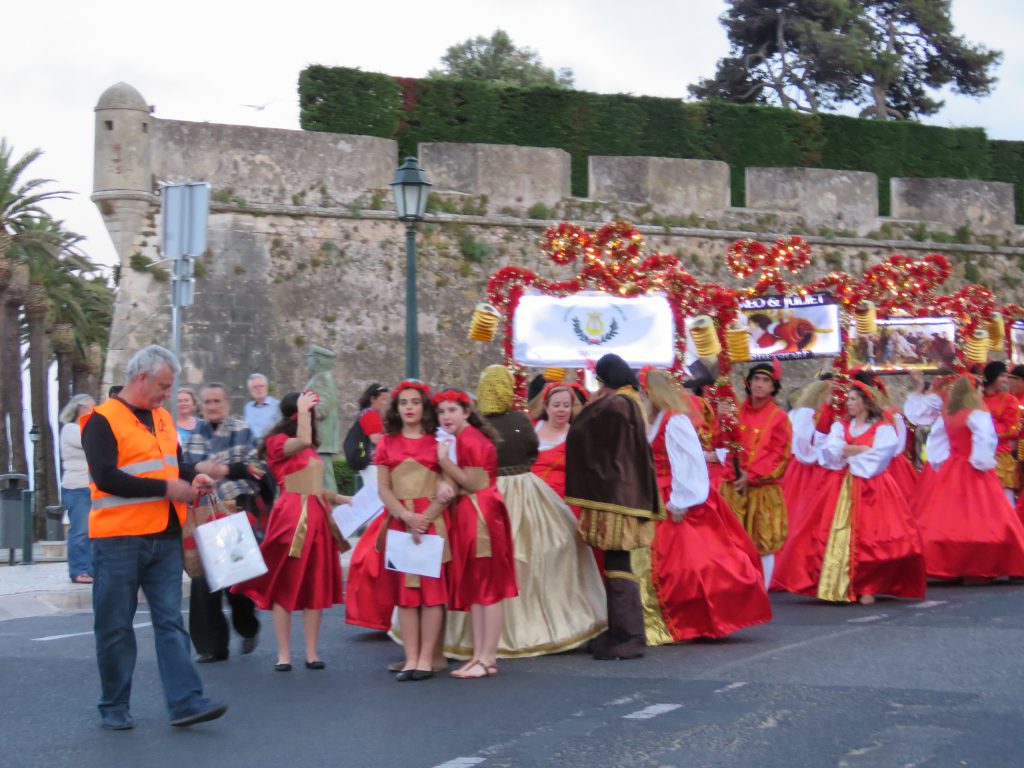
(100, 448)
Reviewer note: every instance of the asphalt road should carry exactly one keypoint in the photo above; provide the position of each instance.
(938, 683)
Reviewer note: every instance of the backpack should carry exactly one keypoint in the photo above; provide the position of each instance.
(357, 447)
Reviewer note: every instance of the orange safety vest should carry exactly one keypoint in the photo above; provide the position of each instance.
(143, 454)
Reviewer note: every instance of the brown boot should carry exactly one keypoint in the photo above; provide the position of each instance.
(625, 638)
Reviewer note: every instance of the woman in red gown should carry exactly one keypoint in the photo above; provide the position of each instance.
(301, 547)
(970, 530)
(483, 569)
(705, 570)
(558, 405)
(811, 420)
(858, 537)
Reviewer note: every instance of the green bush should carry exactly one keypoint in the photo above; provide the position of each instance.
(586, 124)
(344, 477)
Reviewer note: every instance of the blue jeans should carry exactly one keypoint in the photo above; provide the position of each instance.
(78, 503)
(121, 565)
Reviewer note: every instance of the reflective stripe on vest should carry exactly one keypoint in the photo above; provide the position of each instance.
(141, 453)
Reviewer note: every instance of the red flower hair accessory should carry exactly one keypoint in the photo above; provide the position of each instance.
(453, 395)
(643, 376)
(421, 386)
(863, 388)
(552, 387)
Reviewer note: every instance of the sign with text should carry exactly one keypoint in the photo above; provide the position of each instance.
(569, 330)
(792, 327)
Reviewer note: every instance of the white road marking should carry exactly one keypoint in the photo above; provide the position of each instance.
(623, 700)
(928, 604)
(730, 687)
(652, 711)
(866, 619)
(461, 762)
(82, 634)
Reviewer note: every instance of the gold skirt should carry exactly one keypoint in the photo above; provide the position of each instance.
(615, 532)
(561, 603)
(762, 511)
(1006, 470)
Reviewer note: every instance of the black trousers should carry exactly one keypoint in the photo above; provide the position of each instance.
(206, 622)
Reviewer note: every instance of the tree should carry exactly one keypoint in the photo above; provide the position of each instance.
(497, 59)
(885, 55)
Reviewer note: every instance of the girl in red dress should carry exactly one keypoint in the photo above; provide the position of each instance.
(811, 420)
(705, 570)
(970, 530)
(301, 548)
(483, 569)
(858, 537)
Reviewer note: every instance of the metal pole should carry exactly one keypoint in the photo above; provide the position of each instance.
(28, 499)
(412, 338)
(175, 348)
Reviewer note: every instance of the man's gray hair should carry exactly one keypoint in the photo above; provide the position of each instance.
(256, 377)
(150, 360)
(217, 385)
(69, 412)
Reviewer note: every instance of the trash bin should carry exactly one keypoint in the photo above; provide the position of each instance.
(55, 522)
(11, 516)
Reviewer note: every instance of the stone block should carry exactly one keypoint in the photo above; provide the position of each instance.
(984, 206)
(672, 186)
(841, 200)
(510, 176)
(272, 165)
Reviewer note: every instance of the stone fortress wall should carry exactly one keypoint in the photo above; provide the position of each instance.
(303, 247)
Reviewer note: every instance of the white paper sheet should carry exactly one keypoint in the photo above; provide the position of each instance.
(365, 506)
(403, 554)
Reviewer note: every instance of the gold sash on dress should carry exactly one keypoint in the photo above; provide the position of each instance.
(309, 481)
(478, 481)
(410, 480)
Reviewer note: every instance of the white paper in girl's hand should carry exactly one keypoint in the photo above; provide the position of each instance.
(365, 506)
(446, 437)
(403, 554)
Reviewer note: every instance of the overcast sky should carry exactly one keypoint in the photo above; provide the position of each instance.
(205, 61)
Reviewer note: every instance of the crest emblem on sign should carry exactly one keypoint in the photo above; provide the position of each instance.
(594, 331)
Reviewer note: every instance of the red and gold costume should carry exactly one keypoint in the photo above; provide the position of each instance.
(301, 547)
(765, 437)
(550, 466)
(1005, 410)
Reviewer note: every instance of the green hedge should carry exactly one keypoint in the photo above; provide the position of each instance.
(412, 111)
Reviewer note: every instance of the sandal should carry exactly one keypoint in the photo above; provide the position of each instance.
(461, 674)
(82, 578)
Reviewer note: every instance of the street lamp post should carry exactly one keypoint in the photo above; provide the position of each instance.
(411, 190)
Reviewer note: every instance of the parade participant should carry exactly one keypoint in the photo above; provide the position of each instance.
(557, 405)
(610, 475)
(901, 468)
(561, 600)
(705, 571)
(969, 529)
(753, 485)
(810, 420)
(858, 537)
(138, 507)
(483, 569)
(301, 546)
(1005, 410)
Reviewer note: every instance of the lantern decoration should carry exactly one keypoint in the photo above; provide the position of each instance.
(996, 332)
(977, 346)
(867, 318)
(737, 340)
(702, 331)
(484, 323)
(554, 374)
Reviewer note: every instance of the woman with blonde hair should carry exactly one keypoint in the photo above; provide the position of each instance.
(970, 530)
(557, 405)
(74, 488)
(705, 572)
(188, 414)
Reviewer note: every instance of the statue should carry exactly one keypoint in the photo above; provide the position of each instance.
(320, 362)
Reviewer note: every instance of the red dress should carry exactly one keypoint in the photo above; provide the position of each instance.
(550, 467)
(969, 527)
(858, 537)
(313, 579)
(801, 475)
(901, 468)
(374, 591)
(480, 520)
(706, 571)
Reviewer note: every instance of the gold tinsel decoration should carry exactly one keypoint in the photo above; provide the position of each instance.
(554, 374)
(737, 340)
(867, 318)
(704, 337)
(484, 324)
(996, 332)
(977, 346)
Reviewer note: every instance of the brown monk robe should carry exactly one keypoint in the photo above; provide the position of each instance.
(609, 474)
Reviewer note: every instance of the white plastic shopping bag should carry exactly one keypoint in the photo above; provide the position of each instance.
(228, 549)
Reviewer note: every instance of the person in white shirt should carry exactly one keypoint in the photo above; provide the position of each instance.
(74, 488)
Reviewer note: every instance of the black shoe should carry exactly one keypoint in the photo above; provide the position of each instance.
(117, 722)
(422, 674)
(211, 710)
(249, 644)
(406, 675)
(283, 667)
(318, 664)
(211, 658)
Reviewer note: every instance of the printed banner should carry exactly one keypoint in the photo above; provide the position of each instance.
(1017, 342)
(792, 327)
(905, 343)
(568, 331)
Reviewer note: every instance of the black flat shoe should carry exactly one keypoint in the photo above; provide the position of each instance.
(422, 674)
(318, 664)
(405, 675)
(211, 658)
(283, 667)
